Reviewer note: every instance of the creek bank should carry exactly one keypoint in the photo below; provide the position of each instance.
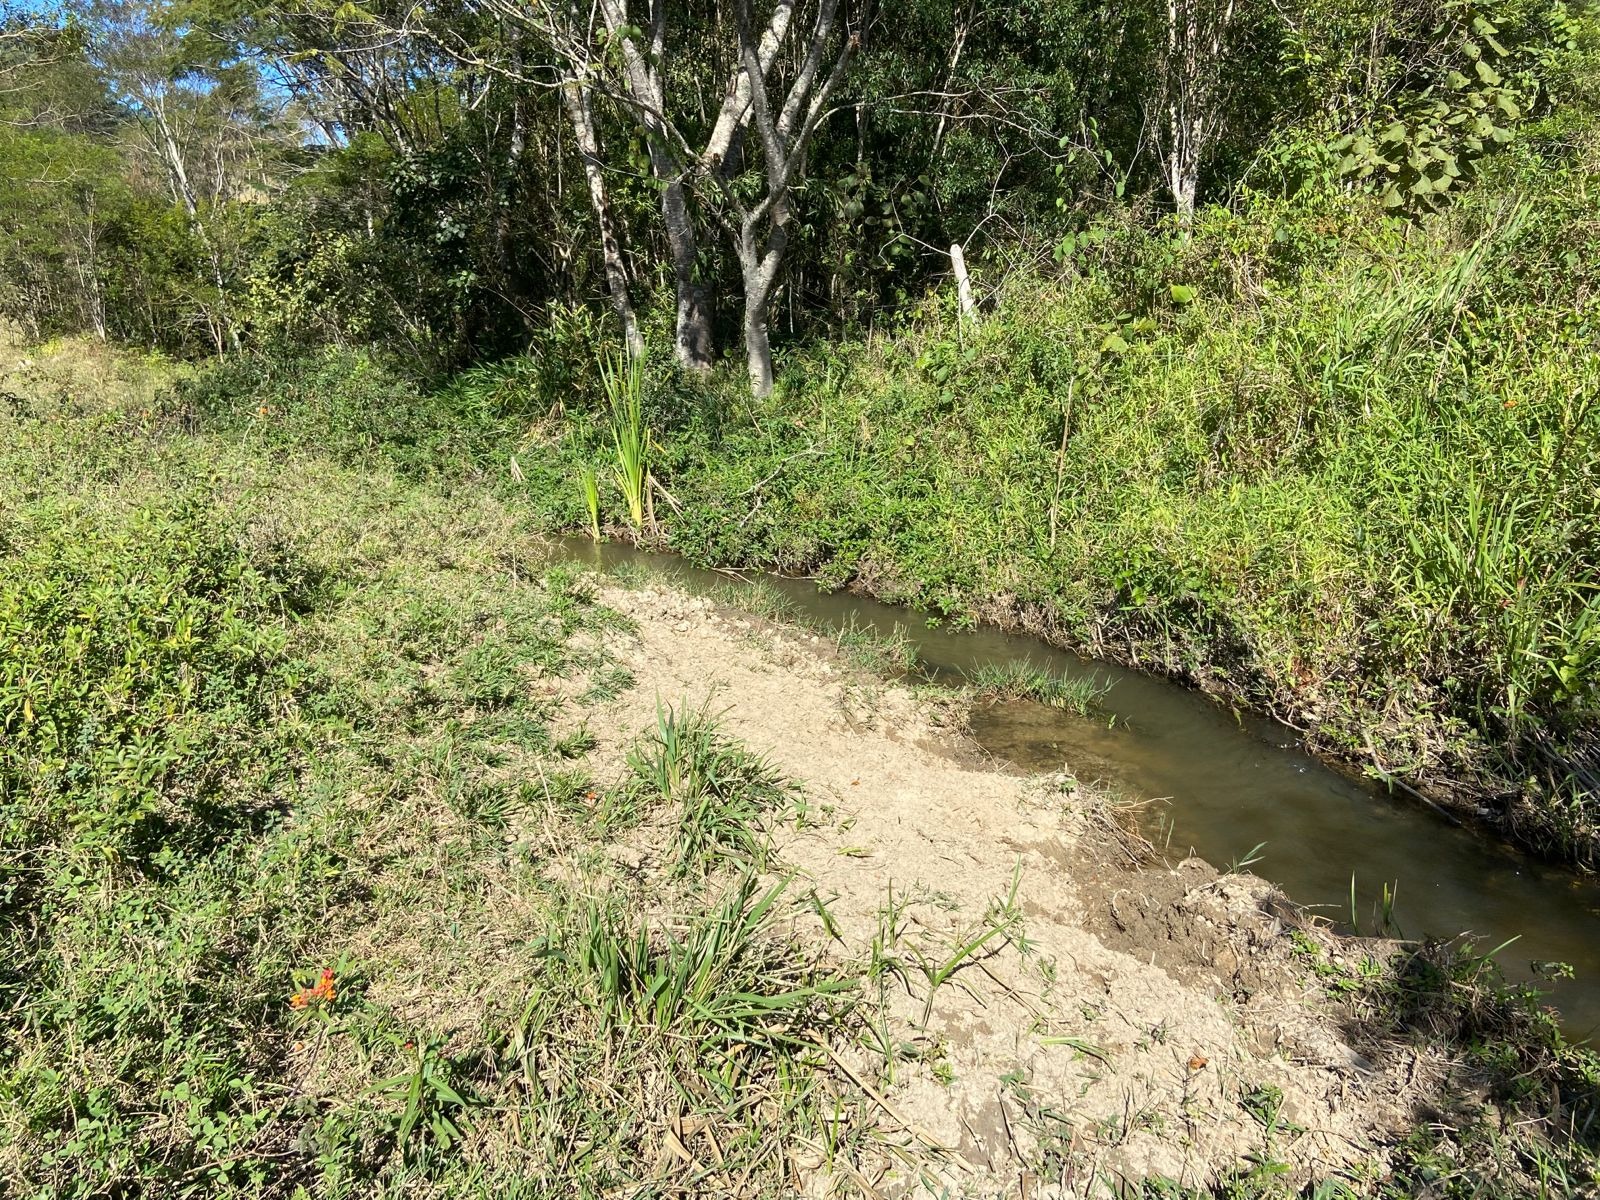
(1134, 1019)
(1470, 798)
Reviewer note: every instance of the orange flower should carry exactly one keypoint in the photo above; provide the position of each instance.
(262, 410)
(322, 992)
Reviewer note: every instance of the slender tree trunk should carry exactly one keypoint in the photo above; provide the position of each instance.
(1184, 182)
(576, 99)
(642, 72)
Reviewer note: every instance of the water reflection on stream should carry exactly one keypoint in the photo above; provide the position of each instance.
(1232, 785)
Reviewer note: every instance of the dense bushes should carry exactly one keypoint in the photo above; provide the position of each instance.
(138, 662)
(1363, 500)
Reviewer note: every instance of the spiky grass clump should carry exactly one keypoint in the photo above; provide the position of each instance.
(682, 1045)
(722, 791)
(891, 653)
(758, 597)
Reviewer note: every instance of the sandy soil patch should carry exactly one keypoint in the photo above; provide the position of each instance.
(1128, 1020)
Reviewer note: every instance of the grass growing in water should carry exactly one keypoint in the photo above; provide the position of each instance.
(590, 483)
(1022, 680)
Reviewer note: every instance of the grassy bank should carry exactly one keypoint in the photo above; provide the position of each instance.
(1337, 469)
(313, 881)
(289, 751)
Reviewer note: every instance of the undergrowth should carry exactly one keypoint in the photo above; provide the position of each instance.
(300, 887)
(309, 888)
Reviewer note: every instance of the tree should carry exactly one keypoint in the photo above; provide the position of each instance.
(760, 232)
(1189, 98)
(198, 116)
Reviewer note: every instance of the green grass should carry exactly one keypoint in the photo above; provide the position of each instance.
(721, 791)
(1022, 680)
(302, 890)
(1350, 483)
(268, 716)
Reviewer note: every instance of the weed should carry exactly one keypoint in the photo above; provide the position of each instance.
(891, 654)
(430, 1100)
(1016, 680)
(630, 439)
(1001, 921)
(721, 790)
(591, 498)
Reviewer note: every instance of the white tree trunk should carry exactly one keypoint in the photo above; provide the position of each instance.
(580, 114)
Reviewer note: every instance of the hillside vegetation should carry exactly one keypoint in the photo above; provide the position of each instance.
(349, 848)
(1338, 470)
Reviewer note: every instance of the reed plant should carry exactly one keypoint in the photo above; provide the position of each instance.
(623, 379)
(589, 480)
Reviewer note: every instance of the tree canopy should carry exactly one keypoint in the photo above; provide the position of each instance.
(204, 175)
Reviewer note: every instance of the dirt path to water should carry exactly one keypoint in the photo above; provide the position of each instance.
(1118, 1019)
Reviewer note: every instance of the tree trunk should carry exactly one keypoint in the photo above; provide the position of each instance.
(642, 72)
(1183, 180)
(694, 346)
(758, 345)
(958, 263)
(760, 276)
(580, 113)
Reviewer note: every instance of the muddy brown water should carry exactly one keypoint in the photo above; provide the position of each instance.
(1225, 785)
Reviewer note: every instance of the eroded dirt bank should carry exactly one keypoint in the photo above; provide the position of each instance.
(1126, 1020)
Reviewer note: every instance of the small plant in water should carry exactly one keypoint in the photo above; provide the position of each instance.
(630, 440)
(591, 498)
(1025, 681)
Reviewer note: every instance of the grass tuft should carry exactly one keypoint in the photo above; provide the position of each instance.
(1022, 680)
(723, 792)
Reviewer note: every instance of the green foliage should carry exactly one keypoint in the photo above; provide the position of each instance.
(138, 659)
(220, 701)
(356, 405)
(630, 438)
(1490, 73)
(430, 1102)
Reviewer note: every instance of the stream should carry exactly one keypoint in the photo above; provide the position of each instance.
(1227, 785)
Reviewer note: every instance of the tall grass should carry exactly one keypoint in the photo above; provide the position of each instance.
(589, 481)
(623, 379)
